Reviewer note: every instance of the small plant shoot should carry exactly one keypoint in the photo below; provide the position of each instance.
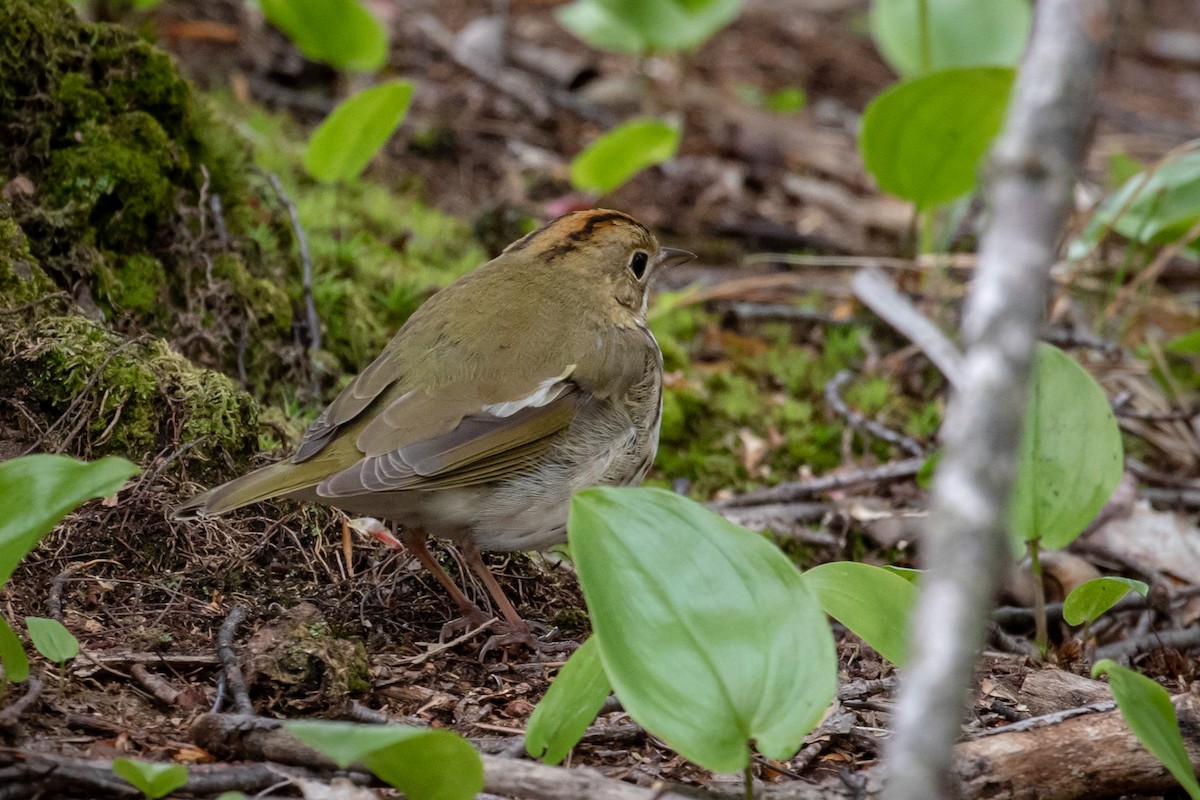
(1158, 206)
(152, 780)
(570, 705)
(1148, 711)
(923, 139)
(873, 602)
(341, 33)
(345, 142)
(709, 634)
(642, 27)
(1071, 456)
(424, 763)
(1088, 601)
(955, 33)
(622, 153)
(52, 639)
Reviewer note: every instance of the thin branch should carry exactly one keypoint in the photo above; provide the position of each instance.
(859, 421)
(966, 540)
(799, 490)
(235, 680)
(877, 292)
(310, 307)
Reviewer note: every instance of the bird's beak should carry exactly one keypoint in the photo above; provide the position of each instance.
(673, 257)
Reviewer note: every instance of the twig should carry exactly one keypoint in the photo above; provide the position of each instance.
(46, 298)
(13, 711)
(421, 658)
(310, 307)
(1183, 639)
(1044, 720)
(1175, 498)
(966, 539)
(159, 687)
(860, 421)
(235, 680)
(54, 597)
(798, 490)
(791, 520)
(878, 293)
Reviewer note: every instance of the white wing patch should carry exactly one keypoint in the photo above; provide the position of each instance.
(547, 392)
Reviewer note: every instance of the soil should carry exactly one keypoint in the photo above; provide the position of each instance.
(338, 623)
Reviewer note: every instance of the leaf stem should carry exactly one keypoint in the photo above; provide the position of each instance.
(1042, 633)
(748, 781)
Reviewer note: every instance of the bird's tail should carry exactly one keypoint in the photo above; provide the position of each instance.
(275, 480)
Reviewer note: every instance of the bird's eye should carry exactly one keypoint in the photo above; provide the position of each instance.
(637, 264)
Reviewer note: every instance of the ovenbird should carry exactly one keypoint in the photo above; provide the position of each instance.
(525, 380)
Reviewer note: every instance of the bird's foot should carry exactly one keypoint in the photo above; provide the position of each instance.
(472, 619)
(523, 636)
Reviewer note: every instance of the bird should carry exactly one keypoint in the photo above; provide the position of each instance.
(530, 378)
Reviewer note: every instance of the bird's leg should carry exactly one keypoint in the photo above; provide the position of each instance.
(473, 616)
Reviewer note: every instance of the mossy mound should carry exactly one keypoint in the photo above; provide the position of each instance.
(128, 396)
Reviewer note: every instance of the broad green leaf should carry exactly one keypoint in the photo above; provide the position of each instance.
(341, 33)
(873, 602)
(709, 634)
(1187, 344)
(1156, 207)
(12, 654)
(424, 763)
(908, 573)
(1071, 456)
(51, 486)
(51, 639)
(152, 780)
(647, 26)
(622, 153)
(352, 134)
(962, 33)
(1147, 710)
(570, 705)
(923, 139)
(1089, 600)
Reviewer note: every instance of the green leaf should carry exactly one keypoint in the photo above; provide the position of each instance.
(925, 473)
(424, 763)
(341, 33)
(51, 639)
(962, 33)
(709, 634)
(1156, 207)
(923, 139)
(570, 705)
(1089, 600)
(1071, 457)
(785, 101)
(646, 26)
(622, 153)
(1187, 344)
(873, 602)
(152, 780)
(12, 654)
(352, 134)
(51, 486)
(908, 573)
(1147, 710)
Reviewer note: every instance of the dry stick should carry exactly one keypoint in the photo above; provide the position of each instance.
(798, 490)
(1180, 639)
(877, 292)
(310, 308)
(833, 398)
(12, 712)
(235, 680)
(966, 547)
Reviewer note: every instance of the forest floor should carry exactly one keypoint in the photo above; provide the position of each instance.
(340, 627)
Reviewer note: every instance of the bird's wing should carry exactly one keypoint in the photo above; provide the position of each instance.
(456, 435)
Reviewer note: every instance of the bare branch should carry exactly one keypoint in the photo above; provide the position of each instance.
(966, 548)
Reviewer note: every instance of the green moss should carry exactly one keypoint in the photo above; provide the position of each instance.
(132, 398)
(133, 284)
(773, 394)
(21, 278)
